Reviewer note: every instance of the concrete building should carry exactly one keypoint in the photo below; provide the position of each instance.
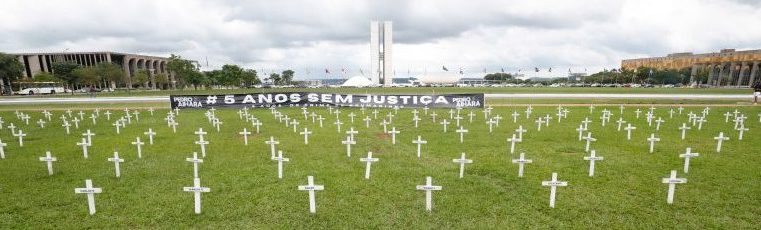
(43, 62)
(725, 68)
(381, 46)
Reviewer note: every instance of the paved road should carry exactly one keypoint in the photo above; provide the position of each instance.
(137, 99)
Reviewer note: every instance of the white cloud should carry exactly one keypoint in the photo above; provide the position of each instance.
(314, 35)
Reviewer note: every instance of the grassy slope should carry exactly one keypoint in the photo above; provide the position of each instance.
(626, 192)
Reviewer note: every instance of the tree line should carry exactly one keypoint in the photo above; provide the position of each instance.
(641, 75)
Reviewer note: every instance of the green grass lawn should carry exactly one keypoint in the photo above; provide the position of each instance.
(424, 90)
(722, 190)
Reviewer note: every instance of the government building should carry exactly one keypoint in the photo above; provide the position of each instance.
(726, 68)
(35, 63)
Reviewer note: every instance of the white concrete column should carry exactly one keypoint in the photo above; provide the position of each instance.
(753, 71)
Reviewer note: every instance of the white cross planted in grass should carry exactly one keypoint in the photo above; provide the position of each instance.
(67, 126)
(393, 133)
(700, 122)
(48, 159)
(351, 132)
(672, 181)
(592, 158)
(89, 135)
(470, 116)
(370, 160)
(416, 119)
(76, 123)
(521, 161)
(272, 142)
(257, 124)
(445, 123)
(539, 123)
(589, 139)
(313, 115)
(20, 136)
(217, 123)
(351, 116)
(375, 114)
(90, 191)
(419, 142)
(295, 124)
(581, 130)
(462, 161)
(726, 117)
(196, 190)
(520, 130)
(687, 155)
(652, 139)
(118, 125)
(629, 129)
(491, 123)
(586, 122)
(280, 159)
(515, 116)
(553, 184)
(139, 145)
(741, 129)
(84, 145)
(306, 133)
(671, 113)
(385, 124)
(311, 188)
(117, 161)
(245, 134)
(348, 142)
(462, 132)
(338, 125)
(41, 123)
(433, 116)
(637, 112)
(428, 187)
(512, 141)
(721, 138)
(13, 128)
(108, 115)
(658, 123)
(684, 129)
(203, 144)
(195, 160)
(93, 117)
(367, 121)
(458, 118)
(2, 149)
(150, 134)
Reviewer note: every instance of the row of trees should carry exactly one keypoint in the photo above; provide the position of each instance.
(641, 75)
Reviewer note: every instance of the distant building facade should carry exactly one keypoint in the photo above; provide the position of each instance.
(381, 46)
(35, 63)
(725, 68)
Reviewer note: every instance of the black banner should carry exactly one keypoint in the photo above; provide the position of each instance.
(301, 99)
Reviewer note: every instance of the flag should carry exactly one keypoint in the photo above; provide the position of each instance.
(549, 70)
(585, 70)
(461, 71)
(444, 68)
(361, 72)
(536, 69)
(327, 71)
(519, 70)
(503, 70)
(569, 70)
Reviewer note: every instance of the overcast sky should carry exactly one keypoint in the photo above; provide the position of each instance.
(313, 35)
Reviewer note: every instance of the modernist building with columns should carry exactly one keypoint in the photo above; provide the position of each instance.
(43, 62)
(725, 68)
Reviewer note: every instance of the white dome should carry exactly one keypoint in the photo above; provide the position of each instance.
(357, 81)
(439, 78)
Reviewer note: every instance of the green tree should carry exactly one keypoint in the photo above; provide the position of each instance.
(287, 77)
(275, 78)
(141, 78)
(110, 72)
(231, 75)
(10, 70)
(498, 76)
(65, 71)
(182, 69)
(250, 78)
(87, 76)
(161, 79)
(196, 79)
(45, 77)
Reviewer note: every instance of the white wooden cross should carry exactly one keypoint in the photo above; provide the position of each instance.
(629, 129)
(370, 160)
(217, 123)
(741, 129)
(652, 139)
(637, 112)
(451, 114)
(520, 130)
(458, 118)
(93, 117)
(726, 117)
(491, 123)
(272, 142)
(393, 133)
(512, 141)
(520, 161)
(200, 133)
(684, 129)
(311, 188)
(672, 181)
(2, 149)
(470, 116)
(118, 125)
(41, 123)
(76, 123)
(280, 159)
(687, 155)
(84, 145)
(384, 123)
(700, 122)
(433, 116)
(586, 122)
(139, 145)
(351, 132)
(90, 191)
(658, 123)
(428, 187)
(539, 123)
(67, 126)
(352, 115)
(375, 114)
(445, 123)
(13, 128)
(671, 113)
(419, 142)
(390, 117)
(150, 134)
(425, 110)
(295, 124)
(306, 133)
(117, 160)
(721, 138)
(196, 190)
(48, 159)
(137, 115)
(245, 134)
(20, 136)
(528, 112)
(515, 116)
(581, 130)
(348, 142)
(462, 161)
(338, 125)
(462, 132)
(592, 158)
(416, 119)
(589, 139)
(203, 144)
(89, 135)
(553, 184)
(313, 115)
(367, 121)
(195, 160)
